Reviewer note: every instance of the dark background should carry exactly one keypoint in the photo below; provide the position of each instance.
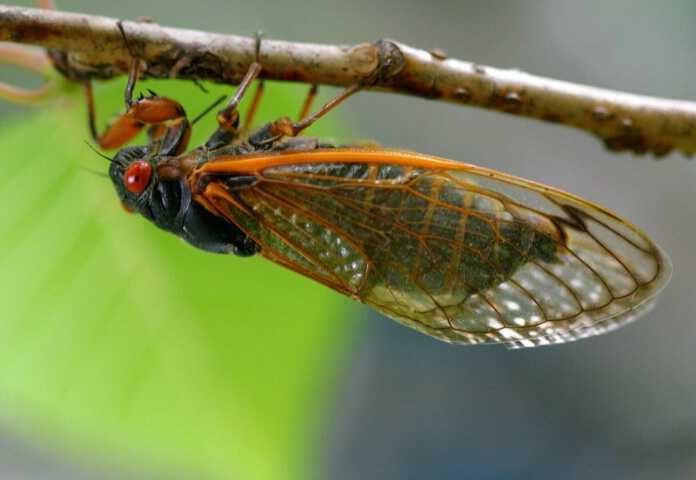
(617, 406)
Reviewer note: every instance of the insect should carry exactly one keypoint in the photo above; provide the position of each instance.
(458, 252)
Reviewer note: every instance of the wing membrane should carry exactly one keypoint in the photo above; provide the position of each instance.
(460, 253)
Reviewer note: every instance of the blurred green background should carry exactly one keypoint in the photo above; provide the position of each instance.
(126, 354)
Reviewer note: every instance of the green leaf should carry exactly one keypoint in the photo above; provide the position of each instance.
(121, 343)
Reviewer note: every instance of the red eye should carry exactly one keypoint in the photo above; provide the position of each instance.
(137, 176)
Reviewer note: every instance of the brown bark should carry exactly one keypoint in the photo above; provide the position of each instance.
(93, 47)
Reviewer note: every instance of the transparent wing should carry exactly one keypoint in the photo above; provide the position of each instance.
(460, 253)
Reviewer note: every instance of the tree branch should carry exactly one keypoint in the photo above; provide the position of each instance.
(93, 47)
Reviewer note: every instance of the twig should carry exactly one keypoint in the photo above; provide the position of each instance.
(94, 48)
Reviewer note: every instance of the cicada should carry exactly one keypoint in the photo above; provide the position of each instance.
(461, 253)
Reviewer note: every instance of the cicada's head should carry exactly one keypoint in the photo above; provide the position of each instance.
(166, 201)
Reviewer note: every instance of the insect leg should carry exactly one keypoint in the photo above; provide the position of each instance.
(286, 127)
(249, 119)
(228, 117)
(308, 102)
(153, 110)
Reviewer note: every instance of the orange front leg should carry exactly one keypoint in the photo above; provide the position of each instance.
(153, 111)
